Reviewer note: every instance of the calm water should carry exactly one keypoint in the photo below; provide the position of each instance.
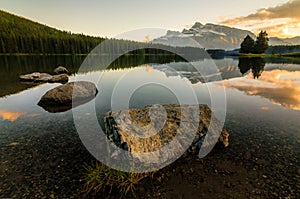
(264, 91)
(263, 105)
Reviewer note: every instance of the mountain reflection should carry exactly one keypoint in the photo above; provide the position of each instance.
(279, 86)
(256, 64)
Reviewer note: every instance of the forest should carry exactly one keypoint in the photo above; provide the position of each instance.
(22, 36)
(283, 49)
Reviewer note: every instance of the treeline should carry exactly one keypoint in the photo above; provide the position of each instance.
(187, 53)
(283, 49)
(20, 35)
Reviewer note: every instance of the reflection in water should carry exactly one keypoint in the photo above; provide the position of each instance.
(10, 116)
(13, 66)
(279, 91)
(279, 86)
(264, 108)
(210, 71)
(256, 64)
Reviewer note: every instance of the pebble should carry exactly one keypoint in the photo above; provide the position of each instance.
(13, 144)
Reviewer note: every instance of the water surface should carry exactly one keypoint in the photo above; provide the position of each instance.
(263, 108)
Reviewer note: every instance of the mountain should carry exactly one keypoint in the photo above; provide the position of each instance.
(212, 36)
(275, 41)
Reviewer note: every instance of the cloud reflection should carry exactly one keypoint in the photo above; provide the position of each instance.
(9, 115)
(279, 86)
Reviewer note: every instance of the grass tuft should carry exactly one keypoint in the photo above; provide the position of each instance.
(101, 178)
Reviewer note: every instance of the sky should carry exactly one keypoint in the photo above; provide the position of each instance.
(109, 18)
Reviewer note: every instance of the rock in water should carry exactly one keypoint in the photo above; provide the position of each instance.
(62, 78)
(64, 97)
(61, 70)
(37, 77)
(148, 129)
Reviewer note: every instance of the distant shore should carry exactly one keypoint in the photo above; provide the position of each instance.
(292, 55)
(249, 55)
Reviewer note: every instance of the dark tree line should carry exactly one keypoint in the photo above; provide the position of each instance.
(283, 49)
(258, 47)
(19, 35)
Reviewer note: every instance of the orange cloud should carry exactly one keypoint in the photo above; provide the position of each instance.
(279, 86)
(11, 116)
(280, 30)
(287, 14)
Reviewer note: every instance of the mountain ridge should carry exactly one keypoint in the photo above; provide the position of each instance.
(214, 36)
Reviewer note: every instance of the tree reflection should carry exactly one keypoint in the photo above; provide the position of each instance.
(256, 64)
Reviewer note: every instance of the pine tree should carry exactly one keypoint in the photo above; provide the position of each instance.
(247, 46)
(261, 44)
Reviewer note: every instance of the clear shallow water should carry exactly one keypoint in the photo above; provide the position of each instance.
(263, 119)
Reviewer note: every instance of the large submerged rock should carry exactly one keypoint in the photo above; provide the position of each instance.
(37, 77)
(148, 129)
(64, 97)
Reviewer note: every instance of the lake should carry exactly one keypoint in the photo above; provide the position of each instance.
(262, 116)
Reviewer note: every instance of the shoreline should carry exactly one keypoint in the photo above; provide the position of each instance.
(288, 55)
(51, 165)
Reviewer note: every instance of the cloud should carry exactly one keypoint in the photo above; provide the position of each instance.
(287, 14)
(280, 30)
(287, 10)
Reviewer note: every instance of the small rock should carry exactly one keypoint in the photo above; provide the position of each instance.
(64, 97)
(62, 78)
(61, 70)
(13, 144)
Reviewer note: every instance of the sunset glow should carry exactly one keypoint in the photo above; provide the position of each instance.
(279, 86)
(277, 20)
(280, 17)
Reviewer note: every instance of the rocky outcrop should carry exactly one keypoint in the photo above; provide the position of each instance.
(148, 129)
(37, 77)
(64, 97)
(61, 70)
